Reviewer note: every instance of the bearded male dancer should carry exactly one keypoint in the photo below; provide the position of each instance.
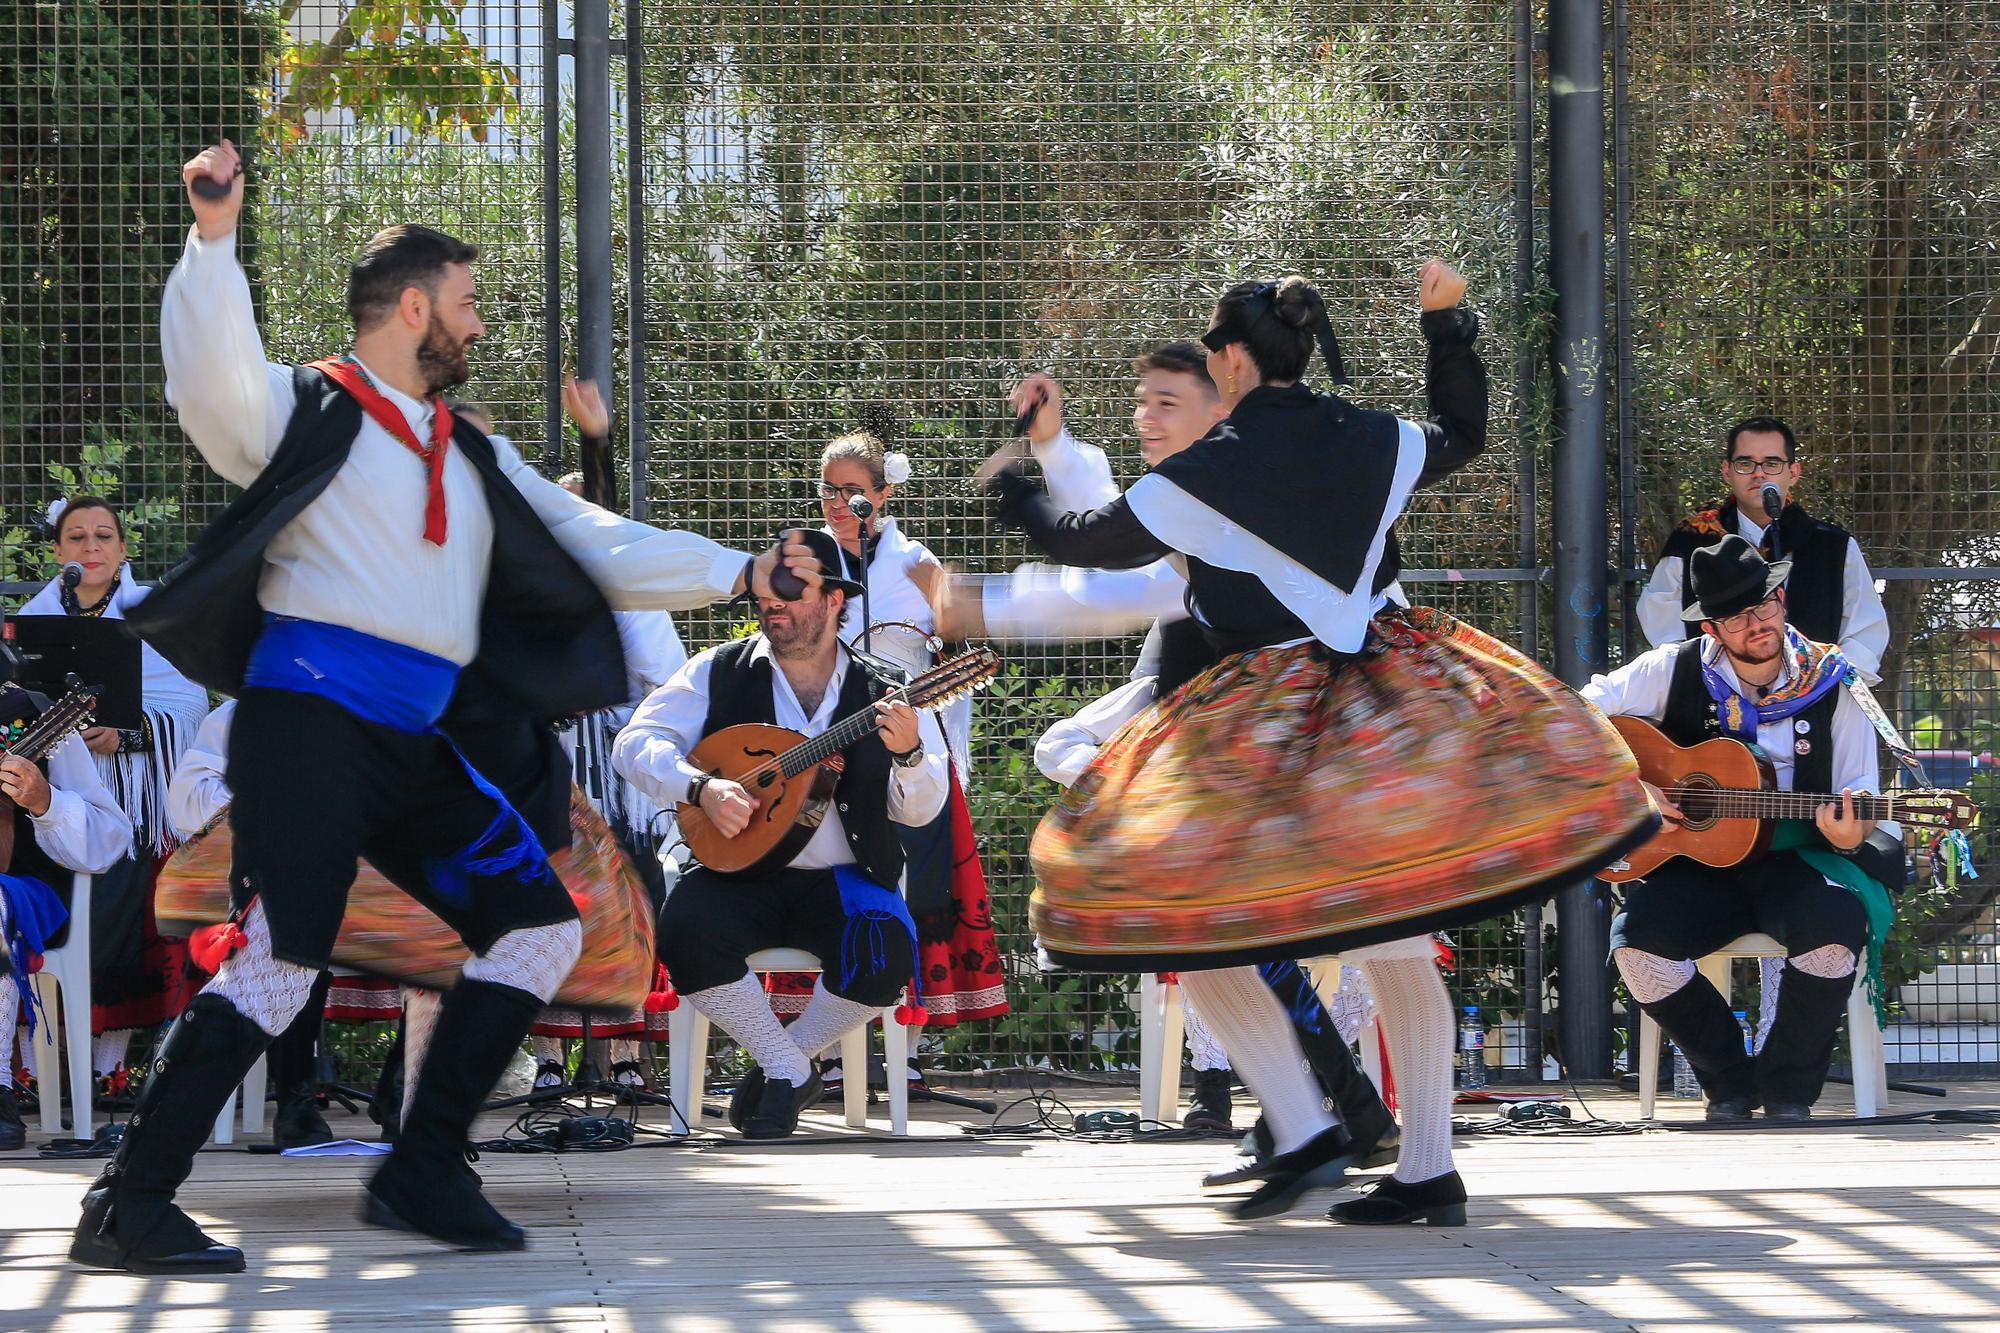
(380, 550)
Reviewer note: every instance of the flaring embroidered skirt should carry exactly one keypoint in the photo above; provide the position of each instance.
(387, 933)
(1286, 803)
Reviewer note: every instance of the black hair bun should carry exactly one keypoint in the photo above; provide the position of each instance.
(1297, 302)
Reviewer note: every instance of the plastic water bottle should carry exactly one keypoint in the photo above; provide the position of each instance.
(1686, 1085)
(1471, 1050)
(1749, 1035)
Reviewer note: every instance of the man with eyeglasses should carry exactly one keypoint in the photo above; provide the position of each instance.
(1831, 595)
(1824, 888)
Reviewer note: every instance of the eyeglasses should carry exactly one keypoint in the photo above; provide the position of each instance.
(1770, 467)
(1767, 609)
(831, 492)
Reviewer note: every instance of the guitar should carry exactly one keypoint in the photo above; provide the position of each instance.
(1729, 797)
(69, 714)
(792, 777)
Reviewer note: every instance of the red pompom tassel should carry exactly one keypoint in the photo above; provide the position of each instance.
(34, 963)
(1170, 978)
(210, 946)
(912, 1015)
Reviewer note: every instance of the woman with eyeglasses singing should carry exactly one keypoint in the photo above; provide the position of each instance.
(958, 956)
(1349, 775)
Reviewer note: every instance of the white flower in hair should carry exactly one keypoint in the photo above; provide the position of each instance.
(54, 511)
(895, 467)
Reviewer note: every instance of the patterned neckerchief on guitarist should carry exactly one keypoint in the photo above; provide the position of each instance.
(1811, 669)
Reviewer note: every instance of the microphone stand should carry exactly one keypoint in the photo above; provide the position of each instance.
(1773, 512)
(863, 510)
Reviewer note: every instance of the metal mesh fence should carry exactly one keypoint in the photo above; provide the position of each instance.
(872, 214)
(882, 215)
(1814, 235)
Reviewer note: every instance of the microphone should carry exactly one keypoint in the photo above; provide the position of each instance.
(72, 575)
(859, 506)
(1774, 501)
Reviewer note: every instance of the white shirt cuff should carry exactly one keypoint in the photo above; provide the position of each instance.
(728, 567)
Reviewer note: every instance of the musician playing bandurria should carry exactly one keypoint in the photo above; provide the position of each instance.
(380, 551)
(837, 898)
(1823, 889)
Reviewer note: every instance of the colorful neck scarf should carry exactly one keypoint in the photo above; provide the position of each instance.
(352, 376)
(1815, 669)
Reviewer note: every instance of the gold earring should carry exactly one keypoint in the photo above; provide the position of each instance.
(1232, 384)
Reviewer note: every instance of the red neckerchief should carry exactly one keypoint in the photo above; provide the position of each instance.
(349, 375)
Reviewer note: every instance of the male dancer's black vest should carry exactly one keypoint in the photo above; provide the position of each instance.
(1816, 591)
(547, 639)
(739, 690)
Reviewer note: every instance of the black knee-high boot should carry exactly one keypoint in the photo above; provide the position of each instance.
(129, 1217)
(1791, 1069)
(1698, 1018)
(424, 1185)
(294, 1063)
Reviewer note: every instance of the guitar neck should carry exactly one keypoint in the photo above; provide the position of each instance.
(834, 739)
(51, 727)
(1739, 803)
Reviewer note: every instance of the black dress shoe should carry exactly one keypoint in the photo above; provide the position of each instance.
(1437, 1202)
(777, 1113)
(298, 1123)
(173, 1246)
(13, 1133)
(1210, 1108)
(743, 1102)
(1728, 1110)
(1792, 1111)
(1320, 1163)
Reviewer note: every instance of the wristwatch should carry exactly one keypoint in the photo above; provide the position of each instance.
(696, 786)
(909, 758)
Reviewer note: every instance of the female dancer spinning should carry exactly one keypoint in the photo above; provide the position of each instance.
(1348, 773)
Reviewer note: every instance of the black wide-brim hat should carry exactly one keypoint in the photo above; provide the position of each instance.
(1729, 577)
(827, 550)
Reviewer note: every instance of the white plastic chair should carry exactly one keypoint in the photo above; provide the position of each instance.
(1864, 1037)
(66, 970)
(1162, 1040)
(687, 1055)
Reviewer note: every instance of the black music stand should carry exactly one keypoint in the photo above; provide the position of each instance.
(52, 648)
(588, 1084)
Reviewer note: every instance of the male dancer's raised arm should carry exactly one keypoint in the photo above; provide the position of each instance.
(235, 403)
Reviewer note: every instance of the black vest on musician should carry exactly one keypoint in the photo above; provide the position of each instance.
(739, 690)
(1690, 719)
(1816, 591)
(547, 641)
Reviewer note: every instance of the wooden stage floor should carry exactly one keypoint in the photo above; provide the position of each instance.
(1890, 1226)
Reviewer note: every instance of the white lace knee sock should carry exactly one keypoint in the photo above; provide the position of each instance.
(108, 1051)
(536, 960)
(1203, 1049)
(1650, 977)
(548, 1050)
(1416, 1020)
(264, 988)
(827, 1018)
(10, 1005)
(1255, 1030)
(1831, 961)
(420, 1016)
(741, 1009)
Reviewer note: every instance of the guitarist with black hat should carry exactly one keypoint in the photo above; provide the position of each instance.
(1822, 892)
(836, 897)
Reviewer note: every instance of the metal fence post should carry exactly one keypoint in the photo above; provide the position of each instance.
(1582, 537)
(593, 194)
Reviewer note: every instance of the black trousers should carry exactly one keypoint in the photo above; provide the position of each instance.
(1684, 910)
(713, 922)
(316, 788)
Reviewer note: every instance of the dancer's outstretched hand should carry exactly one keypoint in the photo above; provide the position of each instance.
(1042, 396)
(1439, 285)
(215, 218)
(789, 554)
(585, 406)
